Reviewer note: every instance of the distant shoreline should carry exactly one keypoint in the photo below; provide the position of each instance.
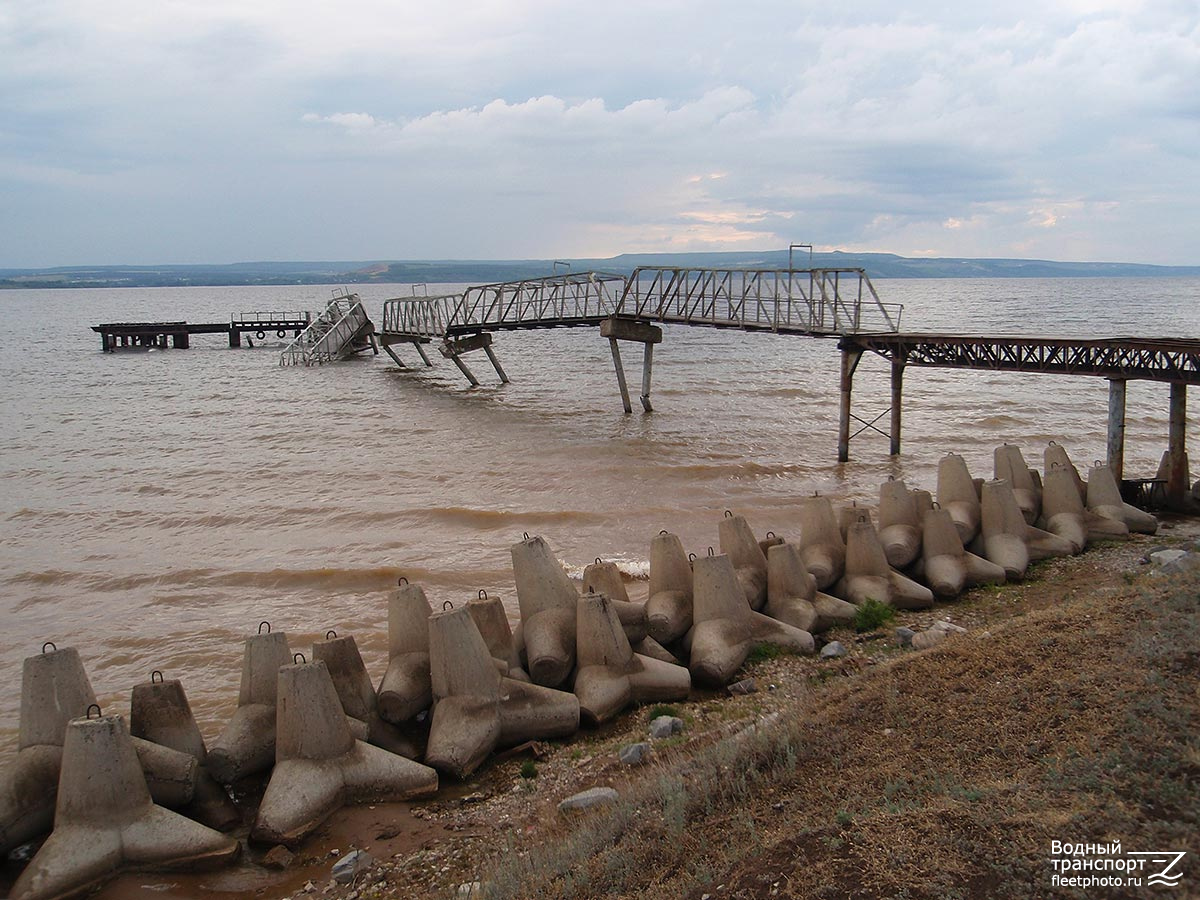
(254, 274)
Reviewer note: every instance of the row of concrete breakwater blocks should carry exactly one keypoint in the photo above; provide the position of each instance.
(327, 736)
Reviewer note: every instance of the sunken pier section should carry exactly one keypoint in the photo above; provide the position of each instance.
(114, 335)
(103, 793)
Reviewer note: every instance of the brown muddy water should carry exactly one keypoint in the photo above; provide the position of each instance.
(157, 505)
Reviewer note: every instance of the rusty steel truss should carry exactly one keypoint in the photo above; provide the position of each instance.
(1125, 358)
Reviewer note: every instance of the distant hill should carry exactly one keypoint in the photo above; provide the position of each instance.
(467, 271)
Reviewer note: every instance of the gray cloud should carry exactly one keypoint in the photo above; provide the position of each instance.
(136, 132)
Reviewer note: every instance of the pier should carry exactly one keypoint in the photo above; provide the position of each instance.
(114, 335)
(828, 303)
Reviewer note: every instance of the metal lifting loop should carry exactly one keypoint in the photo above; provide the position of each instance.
(1052, 443)
(936, 505)
(599, 561)
(482, 594)
(330, 634)
(664, 531)
(261, 624)
(891, 478)
(50, 644)
(447, 605)
(525, 535)
(300, 657)
(401, 581)
(159, 673)
(691, 557)
(729, 513)
(770, 534)
(96, 707)
(1097, 464)
(710, 551)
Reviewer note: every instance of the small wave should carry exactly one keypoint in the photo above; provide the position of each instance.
(1000, 419)
(737, 470)
(630, 569)
(496, 519)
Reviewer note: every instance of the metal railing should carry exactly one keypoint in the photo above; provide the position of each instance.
(809, 301)
(563, 299)
(275, 316)
(332, 335)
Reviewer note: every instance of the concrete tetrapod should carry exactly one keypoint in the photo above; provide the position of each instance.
(605, 578)
(669, 603)
(159, 712)
(357, 694)
(405, 689)
(869, 577)
(957, 495)
(1104, 499)
(749, 562)
(104, 820)
(1010, 466)
(54, 690)
(247, 745)
(946, 567)
(726, 629)
(899, 524)
(320, 767)
(821, 545)
(1062, 508)
(475, 708)
(610, 675)
(547, 600)
(1055, 456)
(492, 621)
(792, 595)
(1003, 530)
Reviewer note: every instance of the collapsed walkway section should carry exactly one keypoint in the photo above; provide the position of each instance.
(343, 329)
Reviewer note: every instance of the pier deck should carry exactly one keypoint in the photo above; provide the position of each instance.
(178, 334)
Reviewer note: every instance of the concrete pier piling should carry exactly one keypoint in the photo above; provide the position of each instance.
(247, 745)
(405, 689)
(319, 765)
(105, 820)
(547, 601)
(669, 603)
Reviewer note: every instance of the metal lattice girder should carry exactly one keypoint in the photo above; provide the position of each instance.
(1148, 359)
(565, 299)
(790, 301)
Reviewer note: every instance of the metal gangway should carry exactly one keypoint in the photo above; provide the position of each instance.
(825, 302)
(341, 330)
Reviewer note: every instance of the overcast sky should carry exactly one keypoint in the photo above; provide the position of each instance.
(142, 131)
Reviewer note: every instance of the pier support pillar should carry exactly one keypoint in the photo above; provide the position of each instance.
(897, 394)
(453, 350)
(1116, 427)
(637, 332)
(424, 356)
(1177, 462)
(235, 337)
(491, 355)
(387, 348)
(850, 359)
